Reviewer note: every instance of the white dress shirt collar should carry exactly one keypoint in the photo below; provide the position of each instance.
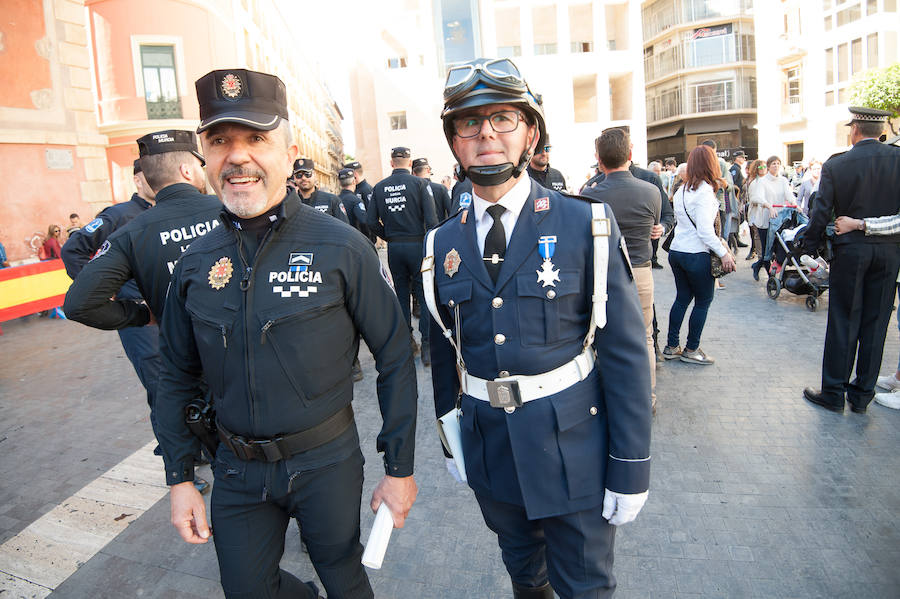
(514, 200)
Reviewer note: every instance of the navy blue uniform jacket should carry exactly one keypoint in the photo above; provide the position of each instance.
(553, 455)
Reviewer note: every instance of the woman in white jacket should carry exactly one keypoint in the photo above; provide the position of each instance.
(766, 193)
(696, 208)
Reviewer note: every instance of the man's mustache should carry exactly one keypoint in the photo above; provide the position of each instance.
(242, 172)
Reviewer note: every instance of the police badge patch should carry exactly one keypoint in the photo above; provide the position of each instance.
(102, 249)
(220, 273)
(451, 263)
(231, 86)
(93, 225)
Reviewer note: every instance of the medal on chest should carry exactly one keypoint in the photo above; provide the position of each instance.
(548, 274)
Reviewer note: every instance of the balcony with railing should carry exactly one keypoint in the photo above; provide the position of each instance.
(661, 15)
(696, 99)
(699, 52)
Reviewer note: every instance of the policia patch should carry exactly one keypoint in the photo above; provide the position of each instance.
(220, 273)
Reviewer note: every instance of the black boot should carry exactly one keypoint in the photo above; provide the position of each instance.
(542, 592)
(737, 240)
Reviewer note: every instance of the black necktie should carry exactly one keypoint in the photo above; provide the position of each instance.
(495, 243)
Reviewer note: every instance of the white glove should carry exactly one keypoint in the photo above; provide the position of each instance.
(621, 508)
(452, 469)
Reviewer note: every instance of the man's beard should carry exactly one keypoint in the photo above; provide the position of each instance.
(244, 204)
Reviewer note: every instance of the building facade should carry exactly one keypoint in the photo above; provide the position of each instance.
(701, 80)
(582, 56)
(808, 53)
(91, 76)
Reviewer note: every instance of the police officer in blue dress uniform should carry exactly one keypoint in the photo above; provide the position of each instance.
(442, 202)
(304, 177)
(141, 344)
(461, 194)
(859, 183)
(401, 211)
(554, 395)
(268, 309)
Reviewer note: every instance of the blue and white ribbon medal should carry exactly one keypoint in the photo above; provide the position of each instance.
(547, 275)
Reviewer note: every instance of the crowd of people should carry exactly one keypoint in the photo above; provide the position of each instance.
(256, 300)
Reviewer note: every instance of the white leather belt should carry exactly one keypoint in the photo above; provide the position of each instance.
(513, 391)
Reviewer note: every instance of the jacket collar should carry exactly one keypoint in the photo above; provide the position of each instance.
(176, 189)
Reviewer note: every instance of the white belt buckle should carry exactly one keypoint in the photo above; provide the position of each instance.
(504, 394)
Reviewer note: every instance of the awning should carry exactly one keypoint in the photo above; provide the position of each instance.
(663, 131)
(714, 125)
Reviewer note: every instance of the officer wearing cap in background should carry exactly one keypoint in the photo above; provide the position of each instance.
(354, 207)
(141, 344)
(147, 248)
(555, 404)
(441, 195)
(540, 170)
(461, 194)
(268, 309)
(304, 178)
(859, 183)
(401, 211)
(363, 189)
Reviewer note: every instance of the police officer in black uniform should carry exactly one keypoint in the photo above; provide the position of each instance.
(540, 170)
(304, 176)
(147, 248)
(401, 211)
(267, 309)
(461, 194)
(363, 190)
(859, 183)
(549, 362)
(354, 207)
(442, 202)
(141, 344)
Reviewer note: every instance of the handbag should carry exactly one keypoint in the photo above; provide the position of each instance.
(716, 269)
(667, 242)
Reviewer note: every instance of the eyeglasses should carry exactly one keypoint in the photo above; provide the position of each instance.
(304, 174)
(501, 72)
(504, 121)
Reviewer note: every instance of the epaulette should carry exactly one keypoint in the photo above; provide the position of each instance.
(451, 217)
(578, 196)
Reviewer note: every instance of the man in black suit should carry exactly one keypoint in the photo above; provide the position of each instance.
(636, 205)
(859, 183)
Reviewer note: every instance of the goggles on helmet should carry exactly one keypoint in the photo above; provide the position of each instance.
(499, 74)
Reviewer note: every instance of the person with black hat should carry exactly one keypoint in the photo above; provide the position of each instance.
(141, 344)
(304, 178)
(363, 190)
(859, 183)
(268, 309)
(146, 248)
(442, 202)
(540, 170)
(401, 211)
(551, 396)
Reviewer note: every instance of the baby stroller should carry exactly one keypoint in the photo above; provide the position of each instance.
(809, 277)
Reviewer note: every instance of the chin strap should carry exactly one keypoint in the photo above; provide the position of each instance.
(496, 174)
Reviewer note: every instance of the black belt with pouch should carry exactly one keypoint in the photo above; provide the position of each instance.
(284, 446)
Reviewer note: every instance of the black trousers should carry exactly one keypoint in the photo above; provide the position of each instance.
(573, 551)
(405, 262)
(252, 504)
(861, 298)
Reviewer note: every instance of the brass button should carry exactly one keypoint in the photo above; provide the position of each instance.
(551, 294)
(499, 338)
(451, 303)
(593, 411)
(503, 374)
(497, 302)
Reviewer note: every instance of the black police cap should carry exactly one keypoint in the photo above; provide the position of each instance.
(170, 140)
(400, 152)
(355, 165)
(867, 115)
(304, 164)
(420, 162)
(250, 98)
(346, 173)
(137, 165)
(740, 153)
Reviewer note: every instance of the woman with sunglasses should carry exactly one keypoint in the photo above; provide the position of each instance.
(51, 248)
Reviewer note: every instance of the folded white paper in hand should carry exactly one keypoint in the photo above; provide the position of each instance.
(453, 470)
(379, 537)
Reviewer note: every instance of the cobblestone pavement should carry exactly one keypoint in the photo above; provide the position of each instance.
(754, 493)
